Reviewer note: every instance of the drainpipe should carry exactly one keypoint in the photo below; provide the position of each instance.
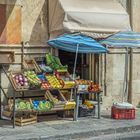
(48, 2)
(130, 11)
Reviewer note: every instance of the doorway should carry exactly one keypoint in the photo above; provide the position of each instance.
(84, 67)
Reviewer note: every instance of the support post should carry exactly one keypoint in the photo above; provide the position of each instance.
(22, 55)
(130, 76)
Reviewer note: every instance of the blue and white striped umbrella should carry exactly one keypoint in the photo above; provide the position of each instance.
(128, 39)
(125, 39)
(70, 42)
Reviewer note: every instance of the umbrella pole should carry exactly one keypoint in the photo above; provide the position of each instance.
(130, 76)
(74, 69)
(125, 84)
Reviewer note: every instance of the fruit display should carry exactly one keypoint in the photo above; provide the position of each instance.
(45, 85)
(20, 80)
(88, 103)
(56, 97)
(44, 82)
(94, 87)
(23, 105)
(32, 78)
(67, 82)
(42, 105)
(82, 82)
(53, 81)
(70, 105)
(42, 77)
(54, 63)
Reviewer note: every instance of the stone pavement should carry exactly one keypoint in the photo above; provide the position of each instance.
(66, 129)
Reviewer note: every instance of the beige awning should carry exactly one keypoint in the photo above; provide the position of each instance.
(99, 18)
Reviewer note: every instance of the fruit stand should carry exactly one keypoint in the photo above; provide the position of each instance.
(49, 77)
(35, 79)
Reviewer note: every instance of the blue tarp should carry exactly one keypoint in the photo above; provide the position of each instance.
(69, 42)
(127, 39)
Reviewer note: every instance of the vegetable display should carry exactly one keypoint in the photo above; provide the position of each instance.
(42, 105)
(32, 78)
(20, 80)
(23, 105)
(45, 68)
(54, 63)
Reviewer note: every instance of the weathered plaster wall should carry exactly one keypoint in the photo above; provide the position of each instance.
(34, 30)
(34, 19)
(135, 15)
(115, 66)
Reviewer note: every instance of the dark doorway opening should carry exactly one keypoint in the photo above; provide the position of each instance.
(68, 58)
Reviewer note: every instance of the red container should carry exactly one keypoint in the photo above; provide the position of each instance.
(121, 113)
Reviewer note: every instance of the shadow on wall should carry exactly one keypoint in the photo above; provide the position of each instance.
(39, 34)
(10, 22)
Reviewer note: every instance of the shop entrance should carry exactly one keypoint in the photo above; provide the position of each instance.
(85, 64)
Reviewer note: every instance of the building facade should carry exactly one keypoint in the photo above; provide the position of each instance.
(26, 21)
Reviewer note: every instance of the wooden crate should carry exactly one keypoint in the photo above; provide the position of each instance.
(14, 84)
(31, 65)
(6, 113)
(25, 120)
(65, 78)
(58, 105)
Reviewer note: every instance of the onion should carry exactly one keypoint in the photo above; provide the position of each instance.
(20, 76)
(21, 83)
(17, 81)
(25, 80)
(26, 84)
(16, 77)
(20, 79)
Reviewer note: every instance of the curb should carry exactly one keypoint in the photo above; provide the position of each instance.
(87, 134)
(92, 133)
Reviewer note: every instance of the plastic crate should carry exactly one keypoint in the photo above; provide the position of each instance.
(84, 112)
(122, 113)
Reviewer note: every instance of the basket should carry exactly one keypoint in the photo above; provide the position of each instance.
(84, 111)
(122, 113)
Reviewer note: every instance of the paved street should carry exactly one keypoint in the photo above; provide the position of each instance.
(66, 129)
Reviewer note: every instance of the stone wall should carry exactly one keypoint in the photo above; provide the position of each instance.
(33, 29)
(115, 65)
(33, 19)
